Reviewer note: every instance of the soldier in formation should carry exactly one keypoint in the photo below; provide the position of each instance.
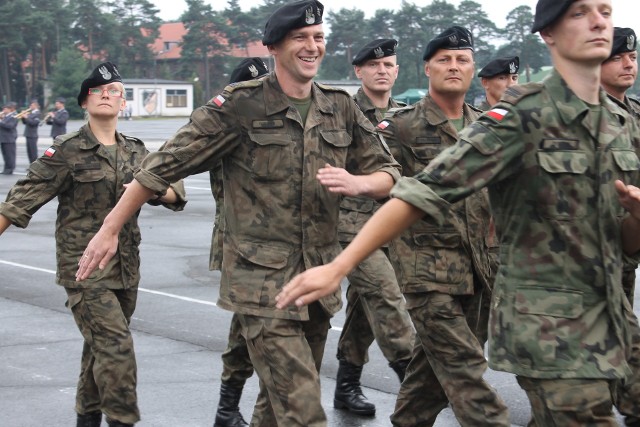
(560, 160)
(88, 171)
(375, 306)
(273, 136)
(8, 136)
(31, 124)
(496, 77)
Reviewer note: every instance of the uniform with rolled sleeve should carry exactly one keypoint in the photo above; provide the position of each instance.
(279, 220)
(88, 181)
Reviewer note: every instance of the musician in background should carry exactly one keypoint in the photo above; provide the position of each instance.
(8, 136)
(58, 119)
(31, 122)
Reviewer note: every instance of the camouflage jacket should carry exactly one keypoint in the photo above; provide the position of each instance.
(355, 211)
(215, 254)
(550, 164)
(427, 256)
(484, 105)
(278, 219)
(78, 170)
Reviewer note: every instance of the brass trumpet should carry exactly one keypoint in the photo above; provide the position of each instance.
(23, 113)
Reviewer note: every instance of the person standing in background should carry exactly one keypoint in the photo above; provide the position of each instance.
(375, 305)
(8, 136)
(496, 77)
(31, 124)
(58, 118)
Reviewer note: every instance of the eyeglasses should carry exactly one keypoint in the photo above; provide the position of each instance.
(110, 92)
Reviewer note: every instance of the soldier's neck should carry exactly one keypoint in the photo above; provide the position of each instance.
(581, 77)
(452, 105)
(104, 130)
(378, 99)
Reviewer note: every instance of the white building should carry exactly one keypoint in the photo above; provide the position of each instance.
(158, 97)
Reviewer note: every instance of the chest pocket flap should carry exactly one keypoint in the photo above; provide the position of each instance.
(627, 160)
(338, 138)
(265, 256)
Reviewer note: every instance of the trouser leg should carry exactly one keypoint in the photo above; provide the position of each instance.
(32, 149)
(456, 364)
(286, 355)
(103, 316)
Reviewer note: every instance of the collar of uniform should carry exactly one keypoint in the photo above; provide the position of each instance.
(433, 113)
(363, 101)
(276, 100)
(569, 106)
(90, 141)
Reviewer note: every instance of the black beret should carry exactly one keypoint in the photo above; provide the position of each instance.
(249, 68)
(104, 73)
(547, 12)
(504, 65)
(291, 16)
(624, 40)
(376, 49)
(454, 38)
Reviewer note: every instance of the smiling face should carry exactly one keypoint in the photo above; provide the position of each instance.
(378, 75)
(299, 54)
(450, 71)
(583, 34)
(105, 105)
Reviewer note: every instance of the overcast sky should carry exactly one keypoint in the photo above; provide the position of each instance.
(497, 10)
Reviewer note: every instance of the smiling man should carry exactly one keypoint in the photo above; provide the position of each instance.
(561, 164)
(273, 136)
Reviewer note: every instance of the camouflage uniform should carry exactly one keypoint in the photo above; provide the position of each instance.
(627, 393)
(279, 221)
(484, 105)
(558, 310)
(236, 364)
(439, 267)
(375, 306)
(82, 174)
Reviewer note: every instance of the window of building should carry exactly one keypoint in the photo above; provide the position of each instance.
(176, 98)
(128, 94)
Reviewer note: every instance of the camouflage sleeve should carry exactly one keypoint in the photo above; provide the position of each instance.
(197, 147)
(178, 188)
(489, 150)
(368, 152)
(47, 177)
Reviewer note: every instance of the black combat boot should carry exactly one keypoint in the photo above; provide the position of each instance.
(348, 393)
(92, 419)
(400, 368)
(228, 414)
(114, 423)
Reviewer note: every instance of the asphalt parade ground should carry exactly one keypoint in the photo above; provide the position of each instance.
(179, 332)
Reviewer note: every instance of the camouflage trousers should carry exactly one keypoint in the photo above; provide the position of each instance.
(236, 363)
(286, 355)
(108, 375)
(375, 309)
(626, 393)
(446, 367)
(569, 402)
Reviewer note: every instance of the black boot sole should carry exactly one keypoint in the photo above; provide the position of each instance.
(365, 412)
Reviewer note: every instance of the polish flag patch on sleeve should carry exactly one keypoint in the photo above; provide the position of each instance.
(383, 124)
(497, 113)
(218, 100)
(50, 152)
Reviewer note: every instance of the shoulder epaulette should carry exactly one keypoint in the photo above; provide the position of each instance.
(67, 136)
(517, 93)
(242, 85)
(400, 104)
(474, 108)
(328, 88)
(393, 111)
(634, 101)
(132, 139)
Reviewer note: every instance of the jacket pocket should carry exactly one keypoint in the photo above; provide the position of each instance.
(271, 156)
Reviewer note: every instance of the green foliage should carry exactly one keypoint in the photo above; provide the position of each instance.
(66, 79)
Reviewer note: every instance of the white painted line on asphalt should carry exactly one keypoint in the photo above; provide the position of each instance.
(149, 291)
(197, 188)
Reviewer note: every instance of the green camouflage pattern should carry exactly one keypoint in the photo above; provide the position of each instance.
(569, 402)
(108, 378)
(375, 305)
(558, 310)
(287, 355)
(88, 185)
(484, 105)
(215, 255)
(236, 363)
(446, 367)
(428, 256)
(278, 219)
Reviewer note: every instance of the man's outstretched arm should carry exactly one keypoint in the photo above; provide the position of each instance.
(104, 244)
(387, 223)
